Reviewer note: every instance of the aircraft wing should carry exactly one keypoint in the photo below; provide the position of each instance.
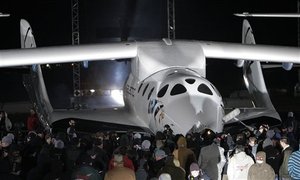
(64, 54)
(112, 51)
(251, 52)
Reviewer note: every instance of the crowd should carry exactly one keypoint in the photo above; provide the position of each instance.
(261, 154)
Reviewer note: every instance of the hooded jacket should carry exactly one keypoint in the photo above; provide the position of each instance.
(238, 166)
(184, 155)
(261, 170)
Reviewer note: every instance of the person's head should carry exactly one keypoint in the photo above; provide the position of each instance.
(159, 154)
(164, 176)
(284, 142)
(260, 157)
(194, 170)
(252, 141)
(118, 160)
(72, 123)
(208, 136)
(181, 142)
(32, 112)
(240, 139)
(290, 114)
(6, 141)
(98, 143)
(239, 148)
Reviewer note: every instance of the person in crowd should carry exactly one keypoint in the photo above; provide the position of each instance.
(57, 159)
(184, 155)
(85, 170)
(168, 132)
(99, 156)
(195, 172)
(5, 123)
(154, 165)
(141, 172)
(291, 132)
(127, 162)
(261, 170)
(239, 164)
(284, 157)
(119, 171)
(192, 143)
(223, 160)
(292, 122)
(172, 167)
(32, 121)
(294, 165)
(5, 168)
(71, 131)
(209, 155)
(252, 147)
(272, 156)
(165, 176)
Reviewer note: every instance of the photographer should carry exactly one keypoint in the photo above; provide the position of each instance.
(5, 123)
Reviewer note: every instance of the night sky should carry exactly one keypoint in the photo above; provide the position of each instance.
(113, 20)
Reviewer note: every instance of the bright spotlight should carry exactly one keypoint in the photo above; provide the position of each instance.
(117, 95)
(92, 90)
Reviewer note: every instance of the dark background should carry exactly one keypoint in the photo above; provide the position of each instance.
(113, 20)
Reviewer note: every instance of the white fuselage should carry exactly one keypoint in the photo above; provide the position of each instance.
(171, 89)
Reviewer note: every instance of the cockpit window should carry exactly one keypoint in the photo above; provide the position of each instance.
(162, 91)
(151, 91)
(178, 89)
(140, 87)
(145, 89)
(204, 89)
(190, 81)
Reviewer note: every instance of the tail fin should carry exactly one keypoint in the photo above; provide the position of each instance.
(27, 39)
(254, 79)
(38, 88)
(286, 66)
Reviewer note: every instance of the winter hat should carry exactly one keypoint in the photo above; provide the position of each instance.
(181, 142)
(194, 167)
(261, 156)
(160, 153)
(267, 142)
(270, 133)
(6, 140)
(165, 176)
(146, 145)
(59, 144)
(290, 114)
(11, 136)
(137, 136)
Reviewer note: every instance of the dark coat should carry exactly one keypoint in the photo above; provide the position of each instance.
(177, 173)
(208, 159)
(283, 170)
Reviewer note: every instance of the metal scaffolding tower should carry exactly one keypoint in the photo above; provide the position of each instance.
(75, 41)
(171, 19)
(298, 10)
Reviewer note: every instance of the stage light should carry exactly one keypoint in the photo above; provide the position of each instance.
(117, 95)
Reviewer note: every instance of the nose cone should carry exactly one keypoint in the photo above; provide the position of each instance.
(192, 113)
(187, 101)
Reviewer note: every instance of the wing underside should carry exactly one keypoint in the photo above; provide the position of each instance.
(112, 51)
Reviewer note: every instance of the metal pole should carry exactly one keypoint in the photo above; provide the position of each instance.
(75, 41)
(171, 18)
